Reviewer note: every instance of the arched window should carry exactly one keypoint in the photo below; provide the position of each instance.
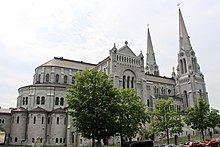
(16, 139)
(128, 81)
(23, 101)
(61, 101)
(42, 100)
(57, 101)
(18, 120)
(148, 103)
(186, 98)
(42, 120)
(65, 79)
(132, 82)
(181, 66)
(58, 120)
(64, 120)
(34, 120)
(39, 76)
(26, 101)
(184, 62)
(38, 100)
(47, 77)
(200, 93)
(73, 80)
(57, 78)
(124, 78)
(32, 140)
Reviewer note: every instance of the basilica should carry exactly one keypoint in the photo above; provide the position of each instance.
(41, 110)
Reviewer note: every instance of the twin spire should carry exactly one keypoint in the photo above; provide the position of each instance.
(184, 44)
(151, 65)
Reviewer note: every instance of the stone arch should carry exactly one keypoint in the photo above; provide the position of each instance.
(129, 78)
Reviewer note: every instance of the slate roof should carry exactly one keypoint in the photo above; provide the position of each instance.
(61, 62)
(159, 79)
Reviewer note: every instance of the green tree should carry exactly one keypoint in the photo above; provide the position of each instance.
(214, 119)
(198, 116)
(92, 104)
(131, 113)
(147, 133)
(165, 118)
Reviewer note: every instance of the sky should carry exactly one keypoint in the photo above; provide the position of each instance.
(34, 32)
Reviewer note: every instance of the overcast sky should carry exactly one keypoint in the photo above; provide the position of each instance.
(33, 32)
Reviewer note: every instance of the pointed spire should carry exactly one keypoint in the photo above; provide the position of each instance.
(151, 65)
(150, 50)
(184, 41)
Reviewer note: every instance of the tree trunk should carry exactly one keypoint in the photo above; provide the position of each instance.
(168, 139)
(122, 140)
(93, 142)
(202, 134)
(98, 143)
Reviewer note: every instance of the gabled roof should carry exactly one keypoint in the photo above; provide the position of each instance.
(21, 109)
(59, 110)
(72, 64)
(126, 50)
(38, 109)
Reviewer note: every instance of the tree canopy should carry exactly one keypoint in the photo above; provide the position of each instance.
(200, 117)
(197, 117)
(99, 110)
(165, 118)
(92, 103)
(131, 113)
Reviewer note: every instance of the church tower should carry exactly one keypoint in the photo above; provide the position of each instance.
(151, 65)
(190, 80)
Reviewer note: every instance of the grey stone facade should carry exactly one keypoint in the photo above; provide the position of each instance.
(41, 106)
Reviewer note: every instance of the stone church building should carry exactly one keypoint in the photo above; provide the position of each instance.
(41, 106)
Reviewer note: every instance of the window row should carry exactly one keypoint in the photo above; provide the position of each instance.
(62, 140)
(17, 119)
(41, 101)
(128, 82)
(49, 120)
(57, 79)
(128, 60)
(33, 140)
(25, 101)
(2, 121)
(163, 90)
(59, 101)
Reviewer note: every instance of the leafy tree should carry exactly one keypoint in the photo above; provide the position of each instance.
(198, 116)
(214, 119)
(92, 104)
(147, 133)
(131, 113)
(165, 118)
